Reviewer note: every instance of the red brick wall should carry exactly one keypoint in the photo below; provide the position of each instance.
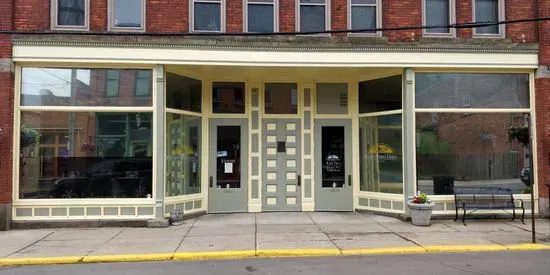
(167, 16)
(31, 15)
(339, 15)
(287, 11)
(521, 9)
(6, 105)
(464, 15)
(402, 13)
(542, 87)
(6, 120)
(234, 16)
(98, 15)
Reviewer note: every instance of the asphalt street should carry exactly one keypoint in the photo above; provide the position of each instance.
(526, 262)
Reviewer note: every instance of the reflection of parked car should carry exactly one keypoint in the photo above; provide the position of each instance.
(525, 174)
(112, 178)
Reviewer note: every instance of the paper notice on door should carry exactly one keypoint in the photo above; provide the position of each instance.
(228, 168)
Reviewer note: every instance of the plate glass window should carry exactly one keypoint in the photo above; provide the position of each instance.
(313, 15)
(207, 15)
(437, 13)
(127, 14)
(261, 16)
(71, 13)
(487, 11)
(364, 14)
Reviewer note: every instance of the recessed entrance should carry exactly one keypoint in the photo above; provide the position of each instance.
(281, 165)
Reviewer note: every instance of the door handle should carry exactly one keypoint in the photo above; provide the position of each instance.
(211, 180)
(299, 182)
(349, 180)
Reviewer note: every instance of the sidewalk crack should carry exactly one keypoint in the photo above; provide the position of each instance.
(98, 247)
(41, 239)
(401, 236)
(325, 233)
(182, 239)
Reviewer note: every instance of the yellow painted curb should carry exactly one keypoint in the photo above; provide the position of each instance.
(127, 258)
(40, 261)
(528, 246)
(465, 248)
(297, 252)
(385, 250)
(214, 255)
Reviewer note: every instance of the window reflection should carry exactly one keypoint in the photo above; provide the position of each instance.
(182, 154)
(281, 98)
(381, 154)
(464, 149)
(85, 155)
(228, 97)
(84, 87)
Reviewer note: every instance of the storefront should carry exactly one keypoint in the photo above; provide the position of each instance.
(112, 132)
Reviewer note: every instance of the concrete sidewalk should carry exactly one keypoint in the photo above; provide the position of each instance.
(266, 234)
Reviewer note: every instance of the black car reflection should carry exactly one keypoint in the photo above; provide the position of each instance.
(112, 178)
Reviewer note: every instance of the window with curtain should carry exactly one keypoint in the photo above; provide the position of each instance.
(487, 11)
(260, 16)
(363, 14)
(71, 13)
(313, 15)
(207, 15)
(438, 13)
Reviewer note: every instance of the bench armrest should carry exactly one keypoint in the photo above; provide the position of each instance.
(520, 203)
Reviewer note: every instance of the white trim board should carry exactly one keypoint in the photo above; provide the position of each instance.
(240, 57)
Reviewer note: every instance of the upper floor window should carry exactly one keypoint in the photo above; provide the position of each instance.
(70, 14)
(439, 13)
(261, 16)
(127, 15)
(208, 15)
(364, 14)
(313, 15)
(489, 11)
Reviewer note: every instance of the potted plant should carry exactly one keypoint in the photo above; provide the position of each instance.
(421, 209)
(29, 137)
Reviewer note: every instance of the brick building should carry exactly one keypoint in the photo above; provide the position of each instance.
(128, 110)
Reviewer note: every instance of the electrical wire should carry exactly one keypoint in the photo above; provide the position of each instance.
(466, 25)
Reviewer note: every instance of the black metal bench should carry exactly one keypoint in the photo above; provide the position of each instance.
(486, 198)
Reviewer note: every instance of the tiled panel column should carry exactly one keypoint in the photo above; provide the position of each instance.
(158, 146)
(254, 200)
(307, 151)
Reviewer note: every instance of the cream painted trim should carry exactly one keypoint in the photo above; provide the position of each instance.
(83, 202)
(470, 110)
(383, 113)
(111, 17)
(501, 17)
(452, 20)
(241, 57)
(182, 112)
(112, 109)
(534, 150)
(16, 135)
(380, 210)
(376, 195)
(53, 18)
(183, 198)
(379, 21)
(475, 70)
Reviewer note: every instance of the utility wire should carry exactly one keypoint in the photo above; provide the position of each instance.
(467, 25)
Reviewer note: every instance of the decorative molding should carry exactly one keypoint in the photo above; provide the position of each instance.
(243, 45)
